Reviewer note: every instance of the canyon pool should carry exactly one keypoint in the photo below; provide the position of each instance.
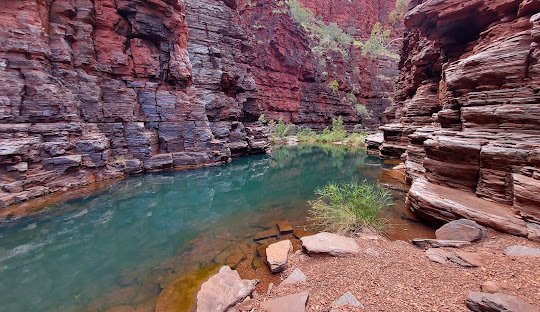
(123, 244)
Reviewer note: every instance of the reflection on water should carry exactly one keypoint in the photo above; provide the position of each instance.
(123, 245)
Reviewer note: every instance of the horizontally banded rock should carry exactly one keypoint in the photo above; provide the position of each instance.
(95, 90)
(461, 230)
(466, 114)
(486, 302)
(223, 290)
(330, 244)
(277, 254)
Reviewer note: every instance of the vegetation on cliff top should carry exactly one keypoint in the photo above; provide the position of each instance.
(349, 208)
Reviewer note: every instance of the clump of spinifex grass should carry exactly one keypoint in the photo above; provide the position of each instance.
(350, 207)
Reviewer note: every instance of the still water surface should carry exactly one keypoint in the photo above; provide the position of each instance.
(123, 244)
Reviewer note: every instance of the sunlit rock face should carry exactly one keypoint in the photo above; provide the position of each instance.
(95, 90)
(467, 112)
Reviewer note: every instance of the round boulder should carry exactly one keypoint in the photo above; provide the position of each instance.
(461, 230)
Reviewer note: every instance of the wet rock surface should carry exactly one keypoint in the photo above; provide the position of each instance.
(466, 108)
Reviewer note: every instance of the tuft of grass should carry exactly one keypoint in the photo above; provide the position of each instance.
(349, 208)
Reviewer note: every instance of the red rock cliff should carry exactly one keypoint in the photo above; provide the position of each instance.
(97, 89)
(293, 82)
(467, 115)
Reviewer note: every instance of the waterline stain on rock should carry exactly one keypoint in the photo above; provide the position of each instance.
(179, 295)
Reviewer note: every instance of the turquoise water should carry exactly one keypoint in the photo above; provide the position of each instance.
(118, 246)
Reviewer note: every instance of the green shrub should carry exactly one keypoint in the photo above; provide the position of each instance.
(262, 120)
(363, 111)
(334, 85)
(398, 14)
(349, 208)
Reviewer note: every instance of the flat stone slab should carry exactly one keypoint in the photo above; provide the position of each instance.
(522, 251)
(277, 254)
(298, 233)
(347, 299)
(223, 291)
(284, 227)
(466, 259)
(447, 204)
(290, 303)
(266, 234)
(461, 230)
(486, 302)
(436, 243)
(331, 244)
(297, 276)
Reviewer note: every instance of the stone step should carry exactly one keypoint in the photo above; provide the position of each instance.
(442, 203)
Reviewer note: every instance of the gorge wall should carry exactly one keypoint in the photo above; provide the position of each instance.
(97, 89)
(467, 115)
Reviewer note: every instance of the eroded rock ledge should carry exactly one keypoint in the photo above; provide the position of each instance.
(467, 116)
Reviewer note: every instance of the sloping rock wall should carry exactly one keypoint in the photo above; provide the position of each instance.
(467, 114)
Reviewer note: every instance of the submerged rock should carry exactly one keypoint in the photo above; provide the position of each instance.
(277, 254)
(331, 244)
(290, 303)
(284, 227)
(485, 302)
(223, 290)
(461, 230)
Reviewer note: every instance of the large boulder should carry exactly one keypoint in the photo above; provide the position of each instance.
(290, 303)
(277, 254)
(331, 244)
(223, 290)
(485, 302)
(461, 230)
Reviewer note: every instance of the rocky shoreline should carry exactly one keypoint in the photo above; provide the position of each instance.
(493, 272)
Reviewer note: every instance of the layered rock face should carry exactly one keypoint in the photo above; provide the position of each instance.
(467, 116)
(93, 90)
(293, 82)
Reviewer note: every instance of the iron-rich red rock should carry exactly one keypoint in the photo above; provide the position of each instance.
(466, 112)
(95, 90)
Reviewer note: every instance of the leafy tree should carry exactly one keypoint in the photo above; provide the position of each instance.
(398, 14)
